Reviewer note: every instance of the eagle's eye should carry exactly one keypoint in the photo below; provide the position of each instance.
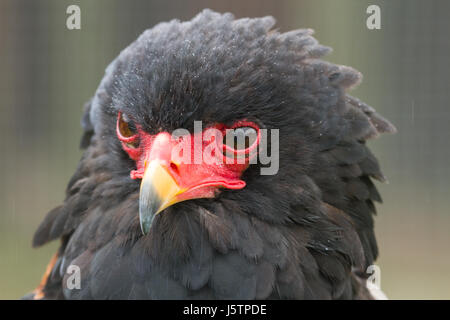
(240, 141)
(127, 131)
(240, 138)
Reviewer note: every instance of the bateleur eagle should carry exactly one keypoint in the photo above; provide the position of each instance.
(140, 224)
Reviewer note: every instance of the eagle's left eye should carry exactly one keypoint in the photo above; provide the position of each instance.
(127, 131)
(241, 138)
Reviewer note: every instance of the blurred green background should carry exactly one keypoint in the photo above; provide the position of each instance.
(47, 72)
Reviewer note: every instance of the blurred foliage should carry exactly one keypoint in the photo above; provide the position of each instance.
(47, 72)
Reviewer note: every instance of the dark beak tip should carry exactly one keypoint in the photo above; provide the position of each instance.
(144, 230)
(145, 226)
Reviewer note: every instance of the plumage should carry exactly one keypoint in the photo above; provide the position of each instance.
(303, 233)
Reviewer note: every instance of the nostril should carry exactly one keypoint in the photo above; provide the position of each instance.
(174, 167)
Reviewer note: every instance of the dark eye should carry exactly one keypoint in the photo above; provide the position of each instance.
(240, 138)
(126, 126)
(127, 131)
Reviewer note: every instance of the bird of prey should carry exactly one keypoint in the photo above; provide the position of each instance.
(138, 223)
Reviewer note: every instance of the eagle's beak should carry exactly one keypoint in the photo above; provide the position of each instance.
(158, 191)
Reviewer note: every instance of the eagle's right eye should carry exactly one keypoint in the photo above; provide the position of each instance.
(127, 131)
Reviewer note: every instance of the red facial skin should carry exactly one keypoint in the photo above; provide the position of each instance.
(200, 179)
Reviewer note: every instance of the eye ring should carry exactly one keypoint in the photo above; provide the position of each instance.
(127, 131)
